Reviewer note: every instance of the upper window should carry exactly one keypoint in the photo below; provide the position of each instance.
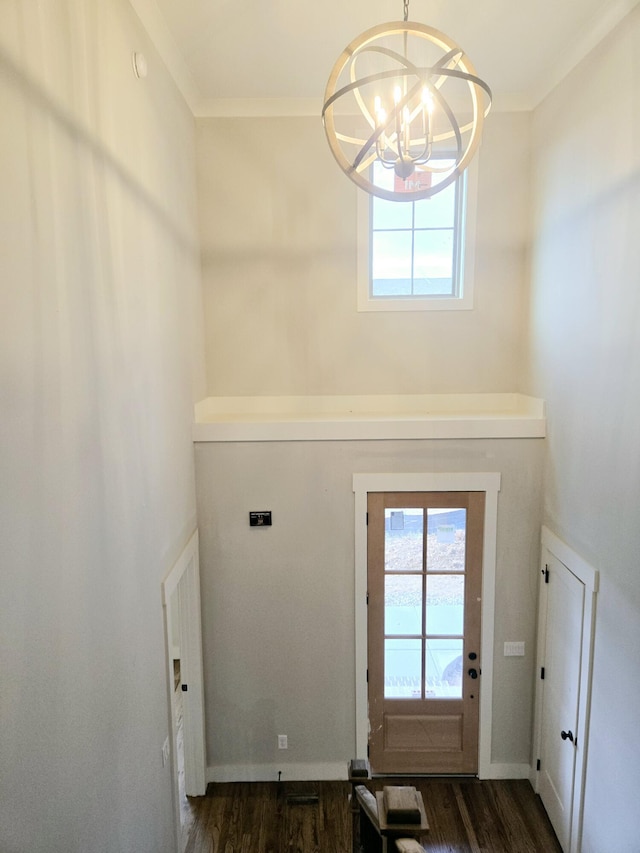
(415, 255)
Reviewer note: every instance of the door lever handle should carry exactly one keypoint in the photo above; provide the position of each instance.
(567, 736)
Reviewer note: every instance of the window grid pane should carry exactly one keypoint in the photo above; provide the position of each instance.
(430, 266)
(424, 602)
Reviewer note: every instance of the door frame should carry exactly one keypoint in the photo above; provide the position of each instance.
(185, 575)
(590, 577)
(487, 482)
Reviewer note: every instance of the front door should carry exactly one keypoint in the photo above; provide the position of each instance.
(424, 610)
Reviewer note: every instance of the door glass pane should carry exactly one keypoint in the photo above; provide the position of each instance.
(403, 539)
(402, 666)
(445, 604)
(446, 534)
(443, 669)
(403, 604)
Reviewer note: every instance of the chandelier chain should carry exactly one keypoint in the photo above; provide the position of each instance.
(406, 10)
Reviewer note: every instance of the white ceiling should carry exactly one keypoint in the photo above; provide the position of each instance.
(230, 57)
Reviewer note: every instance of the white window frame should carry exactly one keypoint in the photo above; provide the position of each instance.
(466, 260)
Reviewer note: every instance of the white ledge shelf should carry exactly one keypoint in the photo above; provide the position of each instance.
(356, 418)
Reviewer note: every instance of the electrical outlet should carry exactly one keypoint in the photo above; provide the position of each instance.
(165, 751)
(282, 742)
(514, 649)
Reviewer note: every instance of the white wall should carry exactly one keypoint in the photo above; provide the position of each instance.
(99, 313)
(278, 603)
(585, 324)
(278, 229)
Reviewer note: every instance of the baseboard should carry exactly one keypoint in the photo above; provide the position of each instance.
(330, 771)
(507, 771)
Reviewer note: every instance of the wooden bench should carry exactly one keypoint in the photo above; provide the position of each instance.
(376, 817)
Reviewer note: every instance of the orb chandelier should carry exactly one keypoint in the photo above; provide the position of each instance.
(406, 96)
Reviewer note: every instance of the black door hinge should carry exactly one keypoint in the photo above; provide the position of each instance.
(367, 518)
(542, 673)
(538, 764)
(546, 574)
(367, 676)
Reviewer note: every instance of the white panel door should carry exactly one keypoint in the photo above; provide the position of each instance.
(181, 599)
(561, 695)
(192, 681)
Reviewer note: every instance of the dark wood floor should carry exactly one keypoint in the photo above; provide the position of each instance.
(465, 816)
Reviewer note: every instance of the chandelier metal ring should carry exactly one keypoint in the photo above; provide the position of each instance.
(420, 124)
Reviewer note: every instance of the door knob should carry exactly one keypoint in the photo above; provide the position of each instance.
(473, 673)
(567, 736)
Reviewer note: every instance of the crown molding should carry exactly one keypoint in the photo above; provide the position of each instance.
(298, 107)
(258, 107)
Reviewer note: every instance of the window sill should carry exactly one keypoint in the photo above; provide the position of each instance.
(379, 417)
(433, 303)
